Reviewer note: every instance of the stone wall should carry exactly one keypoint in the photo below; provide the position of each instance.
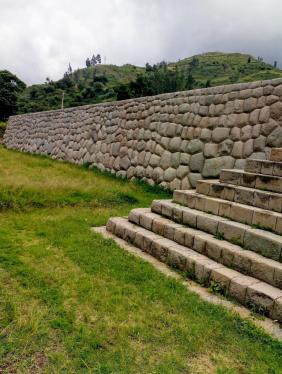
(171, 139)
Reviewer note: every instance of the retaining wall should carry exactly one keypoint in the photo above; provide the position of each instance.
(172, 139)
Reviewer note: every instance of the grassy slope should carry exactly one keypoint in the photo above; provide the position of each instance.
(218, 68)
(224, 68)
(73, 302)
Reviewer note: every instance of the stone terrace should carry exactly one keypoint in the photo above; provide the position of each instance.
(173, 139)
(226, 234)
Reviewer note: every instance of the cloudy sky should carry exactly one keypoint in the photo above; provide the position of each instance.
(38, 38)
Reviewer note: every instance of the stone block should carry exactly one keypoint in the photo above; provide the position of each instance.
(238, 287)
(212, 167)
(232, 231)
(264, 243)
(276, 154)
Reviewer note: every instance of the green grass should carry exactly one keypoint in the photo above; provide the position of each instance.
(73, 302)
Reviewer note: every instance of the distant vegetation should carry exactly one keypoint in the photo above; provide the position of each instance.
(10, 87)
(98, 82)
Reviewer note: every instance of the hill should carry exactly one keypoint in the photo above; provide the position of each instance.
(224, 68)
(109, 82)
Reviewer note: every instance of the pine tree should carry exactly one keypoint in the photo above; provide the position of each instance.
(88, 62)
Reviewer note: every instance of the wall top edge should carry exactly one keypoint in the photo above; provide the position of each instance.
(195, 92)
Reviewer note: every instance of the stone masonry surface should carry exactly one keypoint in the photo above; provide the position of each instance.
(171, 139)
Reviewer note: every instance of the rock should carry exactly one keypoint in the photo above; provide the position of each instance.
(169, 174)
(275, 138)
(219, 134)
(210, 150)
(182, 171)
(276, 110)
(248, 148)
(225, 147)
(250, 104)
(124, 162)
(184, 158)
(268, 127)
(194, 146)
(246, 132)
(197, 162)
(264, 115)
(175, 160)
(259, 143)
(235, 133)
(278, 90)
(240, 164)
(237, 150)
(213, 166)
(183, 108)
(174, 144)
(193, 178)
(165, 160)
(154, 161)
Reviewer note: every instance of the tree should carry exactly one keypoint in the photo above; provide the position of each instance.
(69, 69)
(98, 58)
(190, 81)
(10, 87)
(195, 62)
(88, 62)
(249, 59)
(93, 60)
(275, 64)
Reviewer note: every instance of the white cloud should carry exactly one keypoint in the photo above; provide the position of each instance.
(38, 38)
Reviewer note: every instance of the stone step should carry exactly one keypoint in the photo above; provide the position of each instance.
(244, 195)
(243, 213)
(228, 254)
(247, 290)
(260, 241)
(251, 180)
(276, 154)
(264, 167)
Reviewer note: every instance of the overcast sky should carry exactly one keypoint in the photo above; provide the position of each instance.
(38, 38)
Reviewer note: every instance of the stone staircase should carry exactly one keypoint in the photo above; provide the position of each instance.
(226, 234)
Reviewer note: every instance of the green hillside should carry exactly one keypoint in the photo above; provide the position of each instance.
(109, 82)
(83, 86)
(224, 68)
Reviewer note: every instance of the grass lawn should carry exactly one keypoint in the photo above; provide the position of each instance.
(72, 302)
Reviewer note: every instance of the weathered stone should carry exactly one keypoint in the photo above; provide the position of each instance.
(196, 162)
(213, 166)
(154, 161)
(194, 146)
(275, 138)
(124, 162)
(264, 114)
(276, 110)
(210, 150)
(175, 144)
(250, 104)
(235, 133)
(237, 150)
(165, 160)
(220, 134)
(225, 147)
(268, 127)
(259, 143)
(193, 178)
(248, 148)
(169, 174)
(175, 160)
